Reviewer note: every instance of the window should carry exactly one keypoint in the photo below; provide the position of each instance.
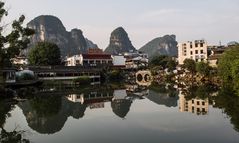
(196, 44)
(192, 101)
(77, 61)
(196, 51)
(191, 52)
(203, 103)
(198, 103)
(201, 44)
(191, 46)
(201, 51)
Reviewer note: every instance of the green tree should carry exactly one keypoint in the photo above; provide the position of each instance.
(12, 43)
(228, 67)
(163, 61)
(203, 68)
(159, 61)
(190, 65)
(45, 53)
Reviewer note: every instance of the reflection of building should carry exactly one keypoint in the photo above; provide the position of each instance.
(76, 98)
(195, 105)
(196, 50)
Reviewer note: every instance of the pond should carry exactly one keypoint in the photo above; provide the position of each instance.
(122, 113)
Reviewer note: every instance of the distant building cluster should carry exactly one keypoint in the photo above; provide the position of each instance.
(96, 57)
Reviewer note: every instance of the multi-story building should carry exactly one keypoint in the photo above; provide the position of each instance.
(196, 50)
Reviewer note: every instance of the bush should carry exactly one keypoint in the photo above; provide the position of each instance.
(25, 76)
(115, 75)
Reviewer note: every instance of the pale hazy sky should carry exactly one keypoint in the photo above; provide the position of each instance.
(212, 20)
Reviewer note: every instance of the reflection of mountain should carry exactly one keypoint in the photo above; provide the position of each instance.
(45, 123)
(162, 98)
(121, 107)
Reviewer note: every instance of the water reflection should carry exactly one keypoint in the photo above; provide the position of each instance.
(194, 105)
(47, 109)
(163, 95)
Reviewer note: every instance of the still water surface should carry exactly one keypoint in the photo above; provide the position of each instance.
(124, 114)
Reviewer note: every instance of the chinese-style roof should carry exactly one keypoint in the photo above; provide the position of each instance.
(96, 56)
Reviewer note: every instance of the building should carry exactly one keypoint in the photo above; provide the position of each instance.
(195, 105)
(73, 60)
(19, 61)
(94, 57)
(196, 50)
(215, 54)
(136, 60)
(119, 60)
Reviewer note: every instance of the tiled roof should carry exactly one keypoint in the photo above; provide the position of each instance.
(96, 56)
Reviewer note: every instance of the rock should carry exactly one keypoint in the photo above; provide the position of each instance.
(50, 28)
(166, 45)
(119, 42)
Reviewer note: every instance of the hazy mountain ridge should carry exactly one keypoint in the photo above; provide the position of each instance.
(166, 45)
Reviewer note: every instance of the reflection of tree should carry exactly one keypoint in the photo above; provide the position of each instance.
(121, 107)
(12, 137)
(229, 103)
(9, 137)
(201, 92)
(5, 108)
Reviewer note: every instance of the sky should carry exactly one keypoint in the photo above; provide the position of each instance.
(144, 20)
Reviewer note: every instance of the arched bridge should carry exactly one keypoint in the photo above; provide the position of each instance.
(144, 77)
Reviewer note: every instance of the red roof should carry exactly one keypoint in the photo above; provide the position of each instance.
(96, 56)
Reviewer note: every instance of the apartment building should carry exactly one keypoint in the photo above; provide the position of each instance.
(196, 50)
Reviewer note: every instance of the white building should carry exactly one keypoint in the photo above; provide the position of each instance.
(118, 60)
(136, 60)
(20, 61)
(196, 50)
(73, 60)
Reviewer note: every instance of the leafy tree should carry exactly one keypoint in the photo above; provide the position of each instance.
(171, 64)
(163, 61)
(45, 53)
(190, 65)
(228, 67)
(203, 68)
(12, 43)
(159, 61)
